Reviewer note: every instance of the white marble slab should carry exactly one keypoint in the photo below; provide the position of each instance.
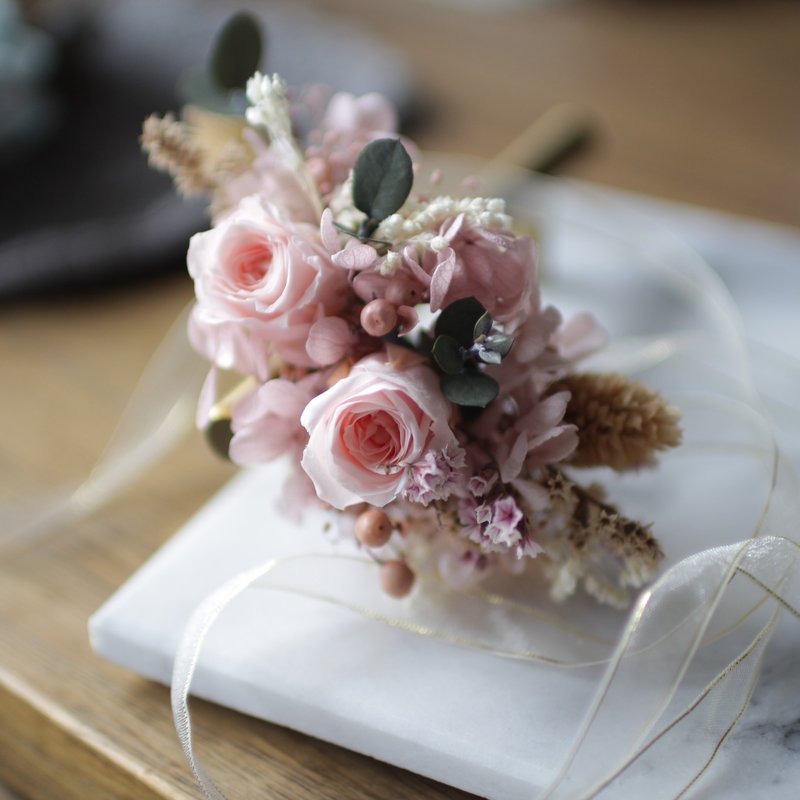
(495, 727)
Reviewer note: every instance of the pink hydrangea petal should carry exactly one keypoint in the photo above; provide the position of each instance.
(511, 466)
(442, 278)
(553, 446)
(410, 257)
(329, 340)
(355, 256)
(581, 336)
(330, 236)
(454, 228)
(545, 414)
(536, 496)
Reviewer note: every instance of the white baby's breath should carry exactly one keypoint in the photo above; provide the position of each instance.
(270, 112)
(390, 263)
(269, 109)
(422, 220)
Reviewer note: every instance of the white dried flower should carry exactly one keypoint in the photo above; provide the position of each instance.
(390, 263)
(422, 220)
(270, 111)
(269, 107)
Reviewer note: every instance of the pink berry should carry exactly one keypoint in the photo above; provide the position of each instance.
(397, 579)
(378, 317)
(373, 528)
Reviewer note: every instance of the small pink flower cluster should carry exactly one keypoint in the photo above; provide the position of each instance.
(433, 442)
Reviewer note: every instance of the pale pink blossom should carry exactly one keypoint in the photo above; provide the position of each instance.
(266, 273)
(239, 345)
(266, 423)
(482, 483)
(503, 527)
(537, 438)
(355, 256)
(349, 123)
(369, 429)
(494, 266)
(463, 566)
(275, 183)
(498, 525)
(579, 337)
(359, 116)
(436, 476)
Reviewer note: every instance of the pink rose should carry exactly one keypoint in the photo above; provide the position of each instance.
(268, 276)
(368, 431)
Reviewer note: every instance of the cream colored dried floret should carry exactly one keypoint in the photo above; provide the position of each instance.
(422, 220)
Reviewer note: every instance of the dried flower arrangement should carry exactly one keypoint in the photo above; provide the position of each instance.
(395, 345)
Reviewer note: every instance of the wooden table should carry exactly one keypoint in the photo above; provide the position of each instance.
(696, 101)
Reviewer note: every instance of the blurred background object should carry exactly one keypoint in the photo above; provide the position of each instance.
(80, 206)
(27, 58)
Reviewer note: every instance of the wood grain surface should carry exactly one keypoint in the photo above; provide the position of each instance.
(695, 101)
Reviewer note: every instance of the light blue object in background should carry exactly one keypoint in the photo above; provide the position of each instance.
(27, 59)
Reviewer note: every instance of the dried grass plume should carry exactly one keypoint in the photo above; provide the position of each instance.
(621, 423)
(201, 152)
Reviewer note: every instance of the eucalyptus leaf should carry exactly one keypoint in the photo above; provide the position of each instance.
(482, 326)
(237, 51)
(382, 178)
(218, 435)
(459, 320)
(470, 389)
(196, 87)
(499, 343)
(489, 356)
(448, 354)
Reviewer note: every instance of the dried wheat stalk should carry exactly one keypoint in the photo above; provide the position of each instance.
(621, 423)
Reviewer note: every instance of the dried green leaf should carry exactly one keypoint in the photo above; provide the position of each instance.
(482, 326)
(218, 435)
(489, 356)
(448, 354)
(237, 51)
(459, 320)
(470, 389)
(382, 178)
(499, 343)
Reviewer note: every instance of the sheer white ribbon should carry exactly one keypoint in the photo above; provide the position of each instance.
(160, 411)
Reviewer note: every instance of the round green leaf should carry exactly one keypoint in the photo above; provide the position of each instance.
(459, 320)
(482, 326)
(237, 52)
(218, 435)
(470, 389)
(382, 178)
(489, 356)
(448, 355)
(499, 343)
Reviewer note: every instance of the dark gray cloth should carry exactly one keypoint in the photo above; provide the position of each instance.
(84, 208)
